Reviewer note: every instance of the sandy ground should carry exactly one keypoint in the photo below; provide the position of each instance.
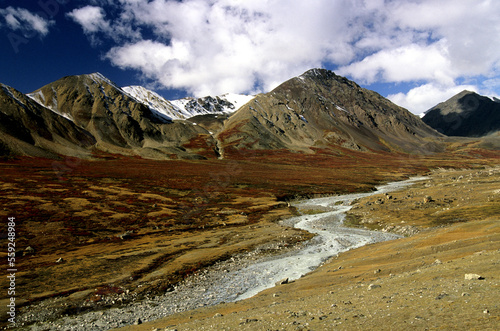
(418, 282)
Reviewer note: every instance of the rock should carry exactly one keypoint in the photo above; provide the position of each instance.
(373, 286)
(218, 315)
(428, 199)
(125, 235)
(282, 282)
(138, 321)
(60, 260)
(473, 277)
(377, 271)
(438, 262)
(28, 250)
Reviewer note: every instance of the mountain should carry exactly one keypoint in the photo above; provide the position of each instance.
(27, 128)
(466, 114)
(188, 107)
(315, 111)
(321, 110)
(119, 123)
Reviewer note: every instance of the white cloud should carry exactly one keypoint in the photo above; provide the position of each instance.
(404, 64)
(27, 23)
(91, 18)
(426, 96)
(93, 21)
(232, 46)
(218, 46)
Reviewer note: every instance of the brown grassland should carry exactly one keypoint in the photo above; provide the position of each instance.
(129, 224)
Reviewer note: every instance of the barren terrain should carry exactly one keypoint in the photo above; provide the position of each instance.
(418, 282)
(91, 235)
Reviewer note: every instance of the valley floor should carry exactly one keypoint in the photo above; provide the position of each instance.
(418, 282)
(92, 235)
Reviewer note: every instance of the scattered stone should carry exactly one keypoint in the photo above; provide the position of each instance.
(125, 235)
(428, 199)
(465, 294)
(282, 282)
(28, 250)
(249, 320)
(438, 262)
(218, 315)
(473, 277)
(373, 286)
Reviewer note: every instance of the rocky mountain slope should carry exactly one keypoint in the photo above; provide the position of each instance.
(119, 123)
(27, 128)
(466, 114)
(315, 111)
(320, 109)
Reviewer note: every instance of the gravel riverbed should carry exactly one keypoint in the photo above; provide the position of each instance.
(240, 277)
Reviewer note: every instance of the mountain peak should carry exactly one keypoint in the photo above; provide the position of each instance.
(465, 114)
(324, 75)
(99, 79)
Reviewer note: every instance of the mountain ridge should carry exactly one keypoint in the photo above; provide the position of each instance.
(316, 110)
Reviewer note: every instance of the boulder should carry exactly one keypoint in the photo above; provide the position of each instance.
(473, 277)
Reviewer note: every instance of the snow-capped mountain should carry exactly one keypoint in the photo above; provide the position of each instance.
(318, 109)
(187, 107)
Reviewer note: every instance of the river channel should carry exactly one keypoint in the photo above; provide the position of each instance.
(243, 278)
(332, 237)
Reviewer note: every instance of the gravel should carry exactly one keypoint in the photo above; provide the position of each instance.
(240, 277)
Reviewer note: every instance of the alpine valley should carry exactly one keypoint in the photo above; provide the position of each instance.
(127, 210)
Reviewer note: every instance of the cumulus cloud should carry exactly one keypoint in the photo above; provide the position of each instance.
(25, 22)
(91, 18)
(426, 96)
(407, 63)
(93, 21)
(218, 46)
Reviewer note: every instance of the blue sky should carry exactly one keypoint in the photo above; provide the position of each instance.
(415, 52)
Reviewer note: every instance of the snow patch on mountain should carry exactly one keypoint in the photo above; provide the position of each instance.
(187, 107)
(99, 78)
(39, 98)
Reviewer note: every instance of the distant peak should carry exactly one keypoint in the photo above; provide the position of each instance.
(326, 75)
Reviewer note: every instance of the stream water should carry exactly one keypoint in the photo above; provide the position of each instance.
(228, 282)
(331, 238)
